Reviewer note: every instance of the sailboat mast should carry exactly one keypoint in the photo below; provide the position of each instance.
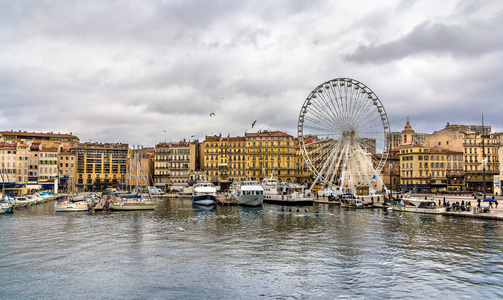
(484, 162)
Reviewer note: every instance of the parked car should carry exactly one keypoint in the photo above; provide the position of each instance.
(478, 194)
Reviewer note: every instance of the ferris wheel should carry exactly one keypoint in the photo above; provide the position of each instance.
(342, 130)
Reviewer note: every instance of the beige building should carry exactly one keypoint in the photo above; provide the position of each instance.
(48, 139)
(430, 170)
(252, 157)
(67, 169)
(174, 163)
(139, 168)
(407, 137)
(48, 167)
(101, 165)
(476, 148)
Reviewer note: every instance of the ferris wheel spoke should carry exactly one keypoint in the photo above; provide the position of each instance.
(321, 123)
(323, 113)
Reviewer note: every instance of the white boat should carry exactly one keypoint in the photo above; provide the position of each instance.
(68, 205)
(248, 193)
(132, 203)
(350, 201)
(5, 207)
(284, 194)
(135, 201)
(414, 204)
(204, 193)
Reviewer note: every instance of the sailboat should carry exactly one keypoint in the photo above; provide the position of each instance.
(136, 200)
(71, 202)
(5, 203)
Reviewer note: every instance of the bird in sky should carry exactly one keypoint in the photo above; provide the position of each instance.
(212, 114)
(164, 130)
(192, 136)
(253, 124)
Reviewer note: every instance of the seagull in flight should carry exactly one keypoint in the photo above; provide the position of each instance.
(164, 130)
(212, 114)
(192, 136)
(253, 124)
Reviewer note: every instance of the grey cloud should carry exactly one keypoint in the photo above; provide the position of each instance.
(470, 39)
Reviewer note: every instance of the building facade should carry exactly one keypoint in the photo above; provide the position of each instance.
(173, 163)
(101, 165)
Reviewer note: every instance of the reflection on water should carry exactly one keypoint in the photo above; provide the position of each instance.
(185, 251)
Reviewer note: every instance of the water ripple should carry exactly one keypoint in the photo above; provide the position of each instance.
(181, 251)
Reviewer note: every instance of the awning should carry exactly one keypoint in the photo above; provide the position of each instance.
(33, 186)
(48, 186)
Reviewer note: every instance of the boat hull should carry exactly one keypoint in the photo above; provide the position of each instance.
(124, 206)
(71, 207)
(282, 200)
(204, 199)
(250, 200)
(423, 210)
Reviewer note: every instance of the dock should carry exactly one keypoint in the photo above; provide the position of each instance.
(222, 200)
(492, 215)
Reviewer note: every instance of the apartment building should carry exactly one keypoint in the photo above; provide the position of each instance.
(101, 165)
(480, 152)
(47, 139)
(174, 163)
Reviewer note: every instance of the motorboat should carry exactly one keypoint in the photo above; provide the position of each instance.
(350, 201)
(204, 193)
(68, 205)
(5, 207)
(284, 194)
(248, 193)
(135, 202)
(414, 204)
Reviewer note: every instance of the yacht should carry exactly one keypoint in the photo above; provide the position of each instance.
(248, 193)
(204, 193)
(68, 205)
(284, 194)
(414, 204)
(133, 202)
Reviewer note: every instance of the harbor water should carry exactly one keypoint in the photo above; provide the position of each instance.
(229, 252)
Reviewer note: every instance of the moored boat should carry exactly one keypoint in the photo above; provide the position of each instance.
(350, 201)
(5, 207)
(248, 193)
(284, 194)
(68, 205)
(132, 203)
(413, 204)
(204, 193)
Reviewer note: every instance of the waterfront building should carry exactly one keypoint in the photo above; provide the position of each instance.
(252, 157)
(34, 154)
(224, 160)
(394, 160)
(67, 169)
(14, 168)
(271, 152)
(173, 163)
(48, 139)
(477, 149)
(139, 168)
(430, 170)
(47, 167)
(101, 165)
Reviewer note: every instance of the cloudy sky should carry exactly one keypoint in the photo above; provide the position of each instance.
(142, 72)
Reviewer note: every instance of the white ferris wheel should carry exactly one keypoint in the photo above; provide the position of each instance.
(342, 130)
